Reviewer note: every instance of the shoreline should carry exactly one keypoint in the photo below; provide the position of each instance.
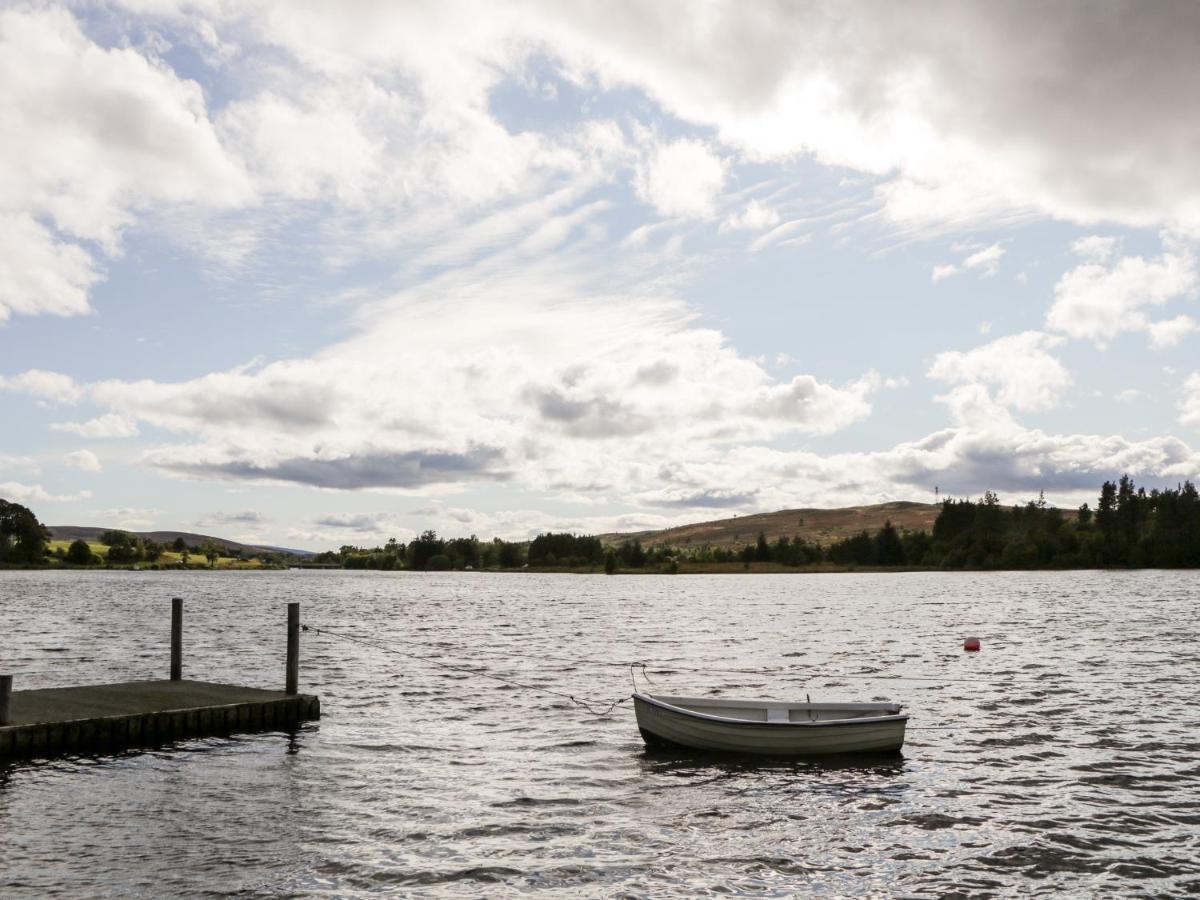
(759, 568)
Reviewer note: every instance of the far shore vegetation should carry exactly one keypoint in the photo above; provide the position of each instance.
(1129, 528)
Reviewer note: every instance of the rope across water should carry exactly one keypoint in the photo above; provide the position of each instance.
(596, 707)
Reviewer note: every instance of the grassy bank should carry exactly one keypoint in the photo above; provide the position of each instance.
(169, 559)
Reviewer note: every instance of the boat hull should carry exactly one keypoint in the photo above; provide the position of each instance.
(663, 725)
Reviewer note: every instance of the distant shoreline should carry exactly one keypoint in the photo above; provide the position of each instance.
(756, 568)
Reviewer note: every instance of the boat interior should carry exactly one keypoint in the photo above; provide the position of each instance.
(778, 710)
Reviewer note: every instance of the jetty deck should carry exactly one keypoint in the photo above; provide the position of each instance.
(106, 718)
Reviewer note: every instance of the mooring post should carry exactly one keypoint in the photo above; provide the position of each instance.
(5, 699)
(293, 649)
(176, 638)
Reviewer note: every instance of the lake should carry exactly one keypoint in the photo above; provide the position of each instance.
(1064, 758)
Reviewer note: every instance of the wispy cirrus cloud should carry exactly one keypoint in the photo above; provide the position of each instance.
(34, 493)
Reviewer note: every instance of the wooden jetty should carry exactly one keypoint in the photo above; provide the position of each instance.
(108, 718)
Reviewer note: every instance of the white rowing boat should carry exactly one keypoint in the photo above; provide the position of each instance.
(771, 727)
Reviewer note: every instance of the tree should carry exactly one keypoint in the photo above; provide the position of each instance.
(632, 554)
(79, 553)
(889, 551)
(762, 550)
(424, 549)
(22, 537)
(123, 547)
(1085, 516)
(211, 552)
(179, 545)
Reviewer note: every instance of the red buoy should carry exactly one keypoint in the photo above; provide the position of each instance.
(971, 643)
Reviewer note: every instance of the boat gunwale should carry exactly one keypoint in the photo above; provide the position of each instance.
(638, 696)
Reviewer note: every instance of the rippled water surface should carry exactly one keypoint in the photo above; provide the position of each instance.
(1062, 759)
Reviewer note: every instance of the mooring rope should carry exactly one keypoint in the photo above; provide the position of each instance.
(590, 704)
(1047, 678)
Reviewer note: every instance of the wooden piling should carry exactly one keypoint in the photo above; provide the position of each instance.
(176, 638)
(5, 699)
(292, 684)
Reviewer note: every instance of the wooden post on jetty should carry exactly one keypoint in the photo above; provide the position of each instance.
(293, 649)
(5, 699)
(176, 638)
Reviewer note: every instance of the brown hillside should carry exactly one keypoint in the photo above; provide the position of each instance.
(815, 525)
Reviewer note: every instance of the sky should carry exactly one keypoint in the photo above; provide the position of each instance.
(316, 274)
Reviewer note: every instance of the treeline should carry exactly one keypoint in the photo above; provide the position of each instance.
(428, 552)
(1129, 527)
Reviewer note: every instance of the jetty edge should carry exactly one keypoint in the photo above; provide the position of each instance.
(112, 718)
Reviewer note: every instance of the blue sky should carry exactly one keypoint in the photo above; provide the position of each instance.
(308, 275)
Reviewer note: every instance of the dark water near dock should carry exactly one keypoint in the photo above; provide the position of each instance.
(1062, 759)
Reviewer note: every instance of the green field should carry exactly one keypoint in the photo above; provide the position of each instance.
(168, 558)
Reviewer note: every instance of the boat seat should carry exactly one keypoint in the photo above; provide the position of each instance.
(778, 715)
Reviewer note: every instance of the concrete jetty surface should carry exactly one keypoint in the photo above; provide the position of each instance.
(105, 718)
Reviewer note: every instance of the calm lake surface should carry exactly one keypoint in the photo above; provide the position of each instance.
(1064, 759)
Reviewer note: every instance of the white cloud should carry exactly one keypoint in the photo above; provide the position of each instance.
(943, 271)
(84, 460)
(987, 260)
(1098, 302)
(755, 216)
(109, 425)
(1128, 395)
(781, 235)
(377, 111)
(1189, 405)
(103, 133)
(891, 90)
(133, 518)
(1018, 366)
(681, 178)
(17, 492)
(1169, 332)
(18, 463)
(245, 518)
(529, 397)
(1095, 248)
(40, 273)
(51, 387)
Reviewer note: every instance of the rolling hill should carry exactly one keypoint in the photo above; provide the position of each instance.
(821, 526)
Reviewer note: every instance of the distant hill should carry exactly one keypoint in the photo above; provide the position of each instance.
(823, 526)
(88, 533)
